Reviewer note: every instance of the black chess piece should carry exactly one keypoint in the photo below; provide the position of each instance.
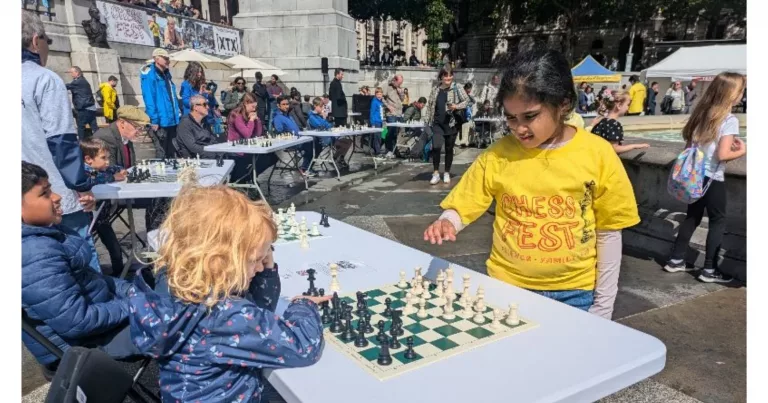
(388, 311)
(409, 353)
(326, 316)
(381, 336)
(361, 341)
(336, 325)
(397, 323)
(348, 334)
(368, 327)
(311, 278)
(324, 218)
(384, 357)
(395, 343)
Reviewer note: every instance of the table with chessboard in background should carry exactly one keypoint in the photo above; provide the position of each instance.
(328, 153)
(162, 183)
(555, 353)
(257, 147)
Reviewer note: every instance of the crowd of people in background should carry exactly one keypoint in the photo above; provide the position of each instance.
(175, 7)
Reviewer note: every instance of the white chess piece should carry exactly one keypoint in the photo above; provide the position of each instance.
(448, 311)
(425, 293)
(293, 208)
(422, 308)
(497, 314)
(467, 312)
(335, 287)
(479, 316)
(416, 290)
(512, 317)
(280, 231)
(409, 309)
(480, 292)
(449, 286)
(304, 241)
(315, 230)
(402, 283)
(439, 283)
(480, 303)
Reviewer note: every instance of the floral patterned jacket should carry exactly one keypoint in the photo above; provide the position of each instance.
(217, 355)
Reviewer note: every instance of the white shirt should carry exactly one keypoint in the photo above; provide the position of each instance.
(714, 168)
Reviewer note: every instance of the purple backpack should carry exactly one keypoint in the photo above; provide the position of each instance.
(686, 181)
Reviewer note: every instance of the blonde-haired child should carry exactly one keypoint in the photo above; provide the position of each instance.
(714, 130)
(562, 195)
(210, 321)
(608, 127)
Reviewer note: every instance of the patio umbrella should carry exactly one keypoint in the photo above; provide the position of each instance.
(251, 66)
(182, 57)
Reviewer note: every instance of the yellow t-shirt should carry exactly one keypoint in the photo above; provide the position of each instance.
(549, 203)
(155, 29)
(637, 95)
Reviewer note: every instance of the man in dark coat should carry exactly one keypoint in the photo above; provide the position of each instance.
(82, 100)
(262, 97)
(192, 136)
(338, 99)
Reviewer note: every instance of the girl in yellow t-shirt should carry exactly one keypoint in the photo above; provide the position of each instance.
(562, 195)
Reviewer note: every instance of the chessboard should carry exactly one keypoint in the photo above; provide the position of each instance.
(267, 141)
(420, 340)
(290, 230)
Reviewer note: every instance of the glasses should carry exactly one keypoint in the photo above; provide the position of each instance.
(48, 40)
(205, 104)
(140, 129)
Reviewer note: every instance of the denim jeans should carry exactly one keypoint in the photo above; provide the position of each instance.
(581, 299)
(79, 222)
(392, 133)
(86, 117)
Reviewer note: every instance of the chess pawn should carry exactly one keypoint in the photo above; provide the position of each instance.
(315, 230)
(409, 308)
(479, 317)
(512, 317)
(402, 283)
(416, 289)
(304, 241)
(497, 315)
(448, 310)
(467, 313)
(422, 309)
(425, 293)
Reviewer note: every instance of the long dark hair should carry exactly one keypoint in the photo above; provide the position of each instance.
(542, 75)
(240, 108)
(191, 72)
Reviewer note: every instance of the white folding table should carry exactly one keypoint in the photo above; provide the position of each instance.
(255, 151)
(209, 176)
(572, 356)
(492, 121)
(328, 154)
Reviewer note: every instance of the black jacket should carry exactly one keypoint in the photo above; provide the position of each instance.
(192, 137)
(262, 97)
(82, 95)
(297, 115)
(338, 99)
(110, 135)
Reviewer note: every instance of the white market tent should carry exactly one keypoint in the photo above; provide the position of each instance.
(700, 63)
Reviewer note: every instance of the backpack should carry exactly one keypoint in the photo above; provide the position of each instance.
(427, 151)
(98, 97)
(686, 181)
(666, 104)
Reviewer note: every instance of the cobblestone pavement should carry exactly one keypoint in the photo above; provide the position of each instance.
(702, 325)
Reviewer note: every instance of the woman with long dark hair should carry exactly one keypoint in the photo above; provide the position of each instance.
(244, 123)
(445, 102)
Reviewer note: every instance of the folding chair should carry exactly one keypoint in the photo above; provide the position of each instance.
(87, 374)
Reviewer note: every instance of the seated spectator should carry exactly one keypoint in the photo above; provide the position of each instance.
(244, 123)
(413, 111)
(96, 159)
(284, 124)
(72, 304)
(191, 135)
(317, 122)
(306, 106)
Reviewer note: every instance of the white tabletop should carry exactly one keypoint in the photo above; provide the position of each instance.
(355, 114)
(404, 124)
(492, 120)
(572, 356)
(344, 133)
(146, 190)
(277, 145)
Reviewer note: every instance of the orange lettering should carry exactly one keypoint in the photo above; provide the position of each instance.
(521, 205)
(556, 206)
(570, 210)
(524, 234)
(538, 207)
(506, 203)
(549, 241)
(566, 229)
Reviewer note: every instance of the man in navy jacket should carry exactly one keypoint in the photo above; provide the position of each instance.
(82, 100)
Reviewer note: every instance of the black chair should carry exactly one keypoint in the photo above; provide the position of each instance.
(85, 374)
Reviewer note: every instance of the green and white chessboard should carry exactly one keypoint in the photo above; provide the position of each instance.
(288, 237)
(435, 338)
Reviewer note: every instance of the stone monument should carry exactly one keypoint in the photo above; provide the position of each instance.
(296, 34)
(95, 30)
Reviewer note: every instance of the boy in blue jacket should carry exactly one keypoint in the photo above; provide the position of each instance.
(318, 123)
(377, 113)
(211, 321)
(72, 304)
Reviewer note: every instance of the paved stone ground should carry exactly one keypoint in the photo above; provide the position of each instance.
(702, 325)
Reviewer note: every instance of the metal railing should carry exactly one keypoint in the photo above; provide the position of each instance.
(41, 7)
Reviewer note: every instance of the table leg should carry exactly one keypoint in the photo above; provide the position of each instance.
(132, 232)
(255, 182)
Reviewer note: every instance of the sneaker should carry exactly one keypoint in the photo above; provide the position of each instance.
(308, 174)
(712, 276)
(390, 155)
(446, 178)
(676, 267)
(435, 179)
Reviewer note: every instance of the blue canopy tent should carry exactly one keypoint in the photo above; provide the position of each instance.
(589, 70)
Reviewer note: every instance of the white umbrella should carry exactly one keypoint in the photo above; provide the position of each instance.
(250, 66)
(182, 57)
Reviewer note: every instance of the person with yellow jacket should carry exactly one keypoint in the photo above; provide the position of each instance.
(562, 194)
(109, 98)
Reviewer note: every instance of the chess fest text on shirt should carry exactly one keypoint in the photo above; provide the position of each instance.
(549, 203)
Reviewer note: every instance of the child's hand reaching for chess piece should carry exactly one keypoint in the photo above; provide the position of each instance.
(439, 231)
(121, 175)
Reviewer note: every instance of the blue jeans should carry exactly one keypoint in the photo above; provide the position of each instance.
(581, 299)
(392, 133)
(86, 117)
(307, 152)
(79, 222)
(376, 140)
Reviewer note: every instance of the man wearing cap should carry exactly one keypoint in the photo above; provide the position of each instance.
(48, 135)
(160, 103)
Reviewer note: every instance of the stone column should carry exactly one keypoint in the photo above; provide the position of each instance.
(295, 34)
